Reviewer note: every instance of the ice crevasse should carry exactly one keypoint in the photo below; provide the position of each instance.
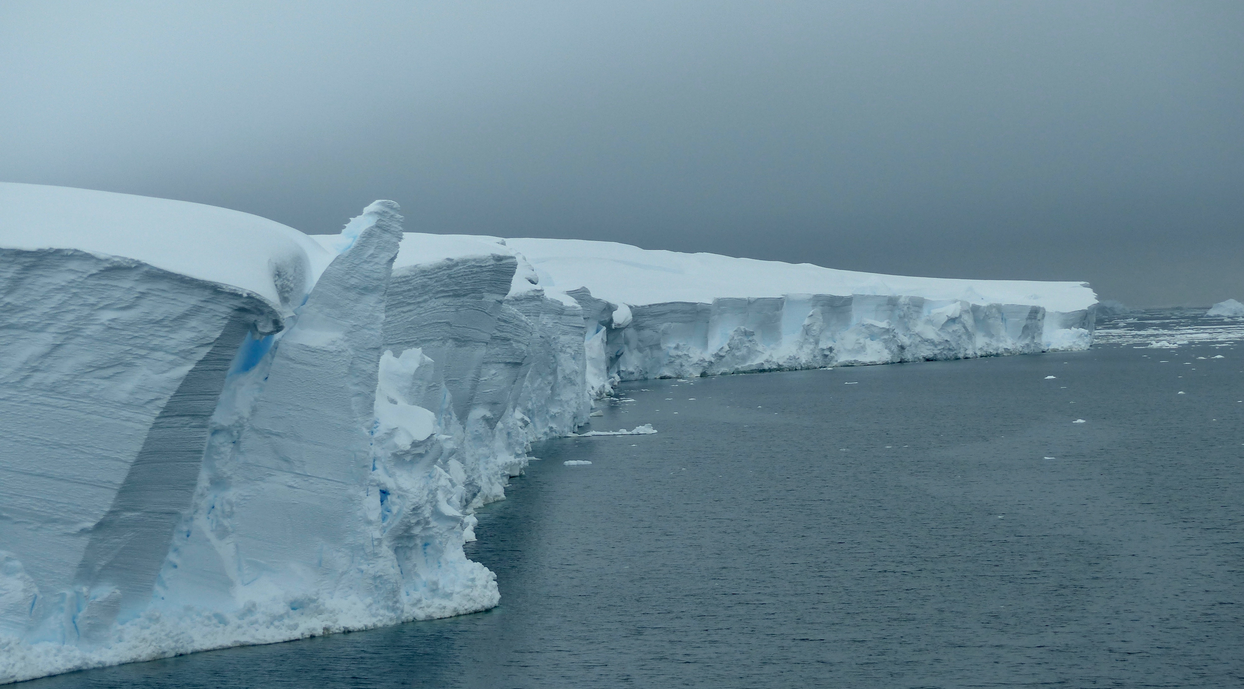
(216, 430)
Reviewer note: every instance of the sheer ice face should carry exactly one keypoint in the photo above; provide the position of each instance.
(219, 431)
(665, 314)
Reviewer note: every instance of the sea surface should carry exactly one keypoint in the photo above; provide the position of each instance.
(1066, 519)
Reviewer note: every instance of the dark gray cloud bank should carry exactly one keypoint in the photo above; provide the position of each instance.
(1101, 141)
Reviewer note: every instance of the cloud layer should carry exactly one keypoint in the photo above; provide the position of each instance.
(1098, 141)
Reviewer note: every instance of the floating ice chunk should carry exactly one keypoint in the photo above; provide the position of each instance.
(1218, 357)
(1163, 344)
(1081, 420)
(645, 429)
(596, 413)
(854, 382)
(1227, 309)
(576, 462)
(1047, 458)
(1051, 377)
(1180, 392)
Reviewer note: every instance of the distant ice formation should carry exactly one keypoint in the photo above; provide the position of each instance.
(1109, 308)
(645, 429)
(215, 430)
(1227, 309)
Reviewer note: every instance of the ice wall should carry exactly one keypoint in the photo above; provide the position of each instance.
(110, 370)
(507, 360)
(289, 437)
(681, 339)
(301, 471)
(662, 314)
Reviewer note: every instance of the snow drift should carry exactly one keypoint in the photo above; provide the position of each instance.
(219, 431)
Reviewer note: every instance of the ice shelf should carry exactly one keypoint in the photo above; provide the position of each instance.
(219, 431)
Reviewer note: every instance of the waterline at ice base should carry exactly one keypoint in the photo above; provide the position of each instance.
(216, 430)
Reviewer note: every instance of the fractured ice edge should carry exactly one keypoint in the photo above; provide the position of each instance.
(218, 431)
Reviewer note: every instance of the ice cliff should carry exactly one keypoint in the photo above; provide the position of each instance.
(664, 314)
(215, 430)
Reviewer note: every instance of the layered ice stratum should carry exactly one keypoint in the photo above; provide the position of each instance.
(216, 430)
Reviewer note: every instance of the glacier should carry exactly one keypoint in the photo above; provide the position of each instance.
(218, 430)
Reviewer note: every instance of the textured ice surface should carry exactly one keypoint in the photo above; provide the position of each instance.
(217, 431)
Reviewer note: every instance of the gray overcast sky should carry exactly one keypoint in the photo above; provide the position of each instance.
(1099, 141)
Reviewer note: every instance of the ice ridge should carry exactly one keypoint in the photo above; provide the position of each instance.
(204, 456)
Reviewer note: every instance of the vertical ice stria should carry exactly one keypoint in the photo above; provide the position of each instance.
(215, 430)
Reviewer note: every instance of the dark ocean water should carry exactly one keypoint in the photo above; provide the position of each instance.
(942, 524)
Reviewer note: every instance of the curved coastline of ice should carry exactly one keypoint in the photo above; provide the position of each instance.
(218, 431)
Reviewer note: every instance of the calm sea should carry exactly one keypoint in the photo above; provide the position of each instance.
(1061, 519)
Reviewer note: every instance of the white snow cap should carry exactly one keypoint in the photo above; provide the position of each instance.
(219, 245)
(625, 274)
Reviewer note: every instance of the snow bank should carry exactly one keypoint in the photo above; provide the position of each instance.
(217, 431)
(1227, 309)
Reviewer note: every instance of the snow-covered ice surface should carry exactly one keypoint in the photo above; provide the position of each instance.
(626, 274)
(233, 249)
(218, 431)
